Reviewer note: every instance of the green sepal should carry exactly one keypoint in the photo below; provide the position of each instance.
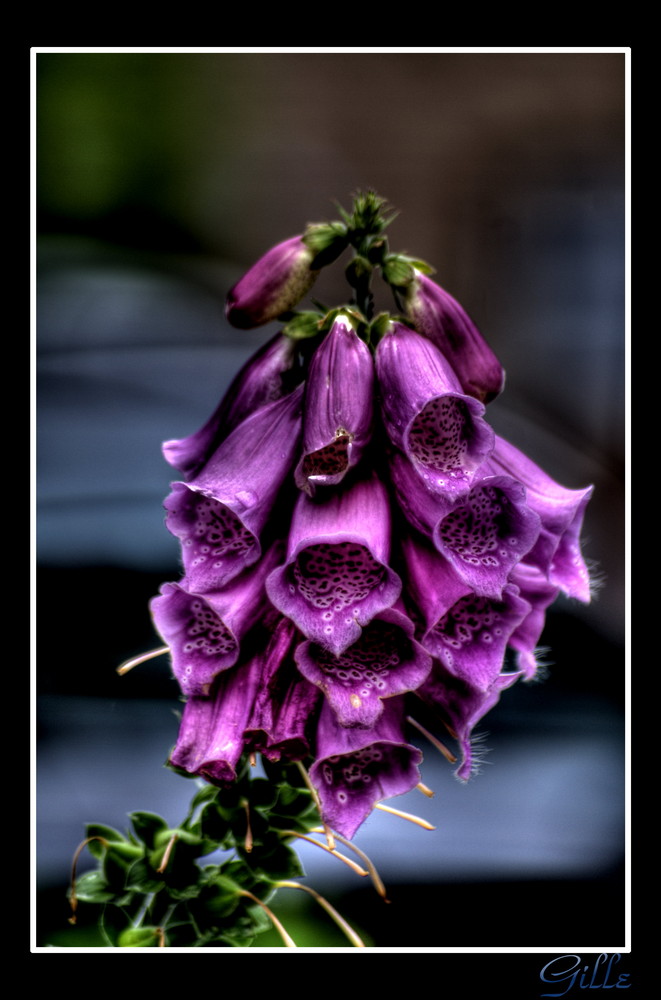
(326, 240)
(379, 327)
(420, 265)
(214, 826)
(142, 877)
(398, 271)
(303, 326)
(92, 887)
(275, 861)
(112, 836)
(147, 825)
(139, 937)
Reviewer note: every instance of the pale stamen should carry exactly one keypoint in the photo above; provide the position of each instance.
(289, 943)
(248, 842)
(130, 664)
(429, 792)
(166, 856)
(376, 878)
(73, 901)
(332, 912)
(331, 850)
(409, 816)
(317, 802)
(434, 741)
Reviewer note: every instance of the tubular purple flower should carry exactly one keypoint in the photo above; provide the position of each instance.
(539, 594)
(385, 661)
(558, 549)
(204, 632)
(467, 633)
(426, 413)
(219, 515)
(356, 768)
(337, 413)
(262, 380)
(272, 286)
(441, 319)
(336, 577)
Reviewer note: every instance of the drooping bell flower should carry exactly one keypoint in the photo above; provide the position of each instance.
(466, 632)
(336, 577)
(385, 661)
(272, 286)
(440, 429)
(558, 549)
(219, 516)
(264, 378)
(535, 589)
(356, 768)
(441, 319)
(337, 413)
(210, 740)
(204, 631)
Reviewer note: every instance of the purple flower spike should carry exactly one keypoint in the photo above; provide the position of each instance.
(260, 381)
(272, 286)
(539, 593)
(336, 577)
(220, 514)
(356, 768)
(467, 633)
(427, 415)
(210, 740)
(204, 632)
(558, 550)
(487, 535)
(441, 319)
(385, 661)
(337, 416)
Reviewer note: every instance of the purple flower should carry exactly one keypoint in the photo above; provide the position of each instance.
(539, 594)
(337, 415)
(356, 768)
(204, 632)
(336, 577)
(426, 413)
(466, 632)
(385, 661)
(441, 319)
(272, 286)
(219, 515)
(558, 549)
(262, 380)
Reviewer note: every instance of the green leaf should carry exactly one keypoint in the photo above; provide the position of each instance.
(147, 825)
(139, 937)
(303, 326)
(92, 887)
(142, 877)
(112, 836)
(398, 271)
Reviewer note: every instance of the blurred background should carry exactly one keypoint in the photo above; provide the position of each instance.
(160, 179)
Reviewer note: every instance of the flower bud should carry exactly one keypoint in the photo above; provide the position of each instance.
(272, 286)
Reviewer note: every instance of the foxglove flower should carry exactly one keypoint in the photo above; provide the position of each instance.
(272, 286)
(204, 631)
(337, 416)
(385, 661)
(558, 549)
(263, 379)
(356, 768)
(440, 318)
(535, 589)
(466, 632)
(426, 413)
(219, 516)
(336, 577)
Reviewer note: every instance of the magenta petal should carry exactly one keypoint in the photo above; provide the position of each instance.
(427, 415)
(337, 416)
(485, 536)
(441, 319)
(336, 577)
(356, 768)
(220, 514)
(274, 285)
(262, 380)
(539, 594)
(385, 661)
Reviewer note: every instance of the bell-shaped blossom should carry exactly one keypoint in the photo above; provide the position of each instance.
(264, 378)
(428, 416)
(535, 589)
(385, 661)
(558, 549)
(272, 286)
(356, 768)
(337, 414)
(211, 740)
(219, 515)
(204, 632)
(461, 705)
(441, 319)
(336, 577)
(466, 632)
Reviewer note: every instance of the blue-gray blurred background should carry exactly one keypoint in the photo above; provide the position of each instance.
(160, 178)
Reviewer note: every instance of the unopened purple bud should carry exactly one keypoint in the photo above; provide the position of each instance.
(336, 577)
(356, 768)
(337, 414)
(219, 515)
(427, 414)
(272, 286)
(385, 661)
(441, 319)
(261, 380)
